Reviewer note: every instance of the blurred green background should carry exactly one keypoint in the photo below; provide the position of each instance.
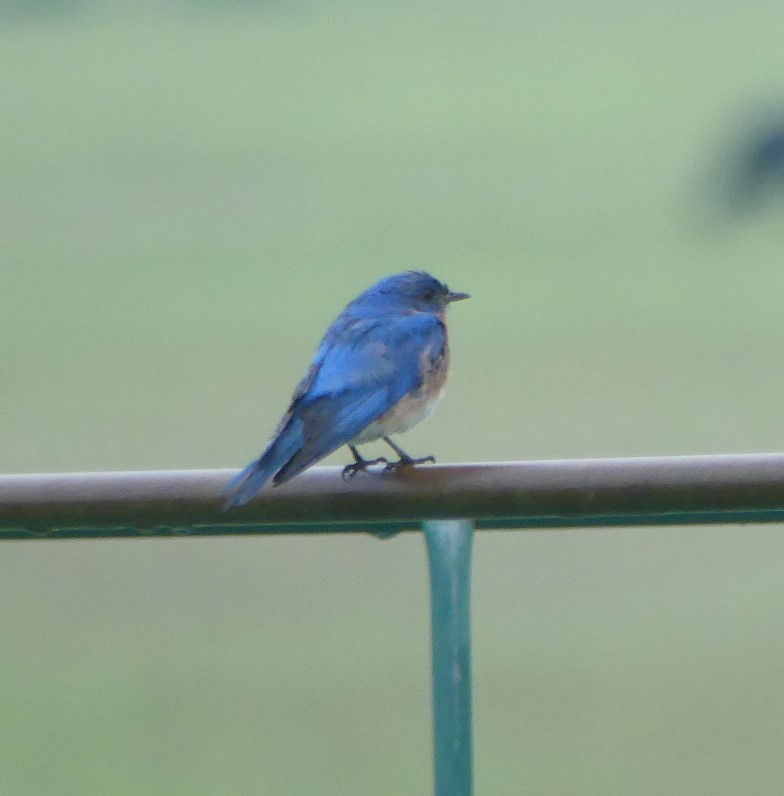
(190, 192)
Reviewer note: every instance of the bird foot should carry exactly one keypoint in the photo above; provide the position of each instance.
(350, 470)
(406, 461)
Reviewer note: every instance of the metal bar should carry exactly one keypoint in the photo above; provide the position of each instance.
(544, 494)
(449, 557)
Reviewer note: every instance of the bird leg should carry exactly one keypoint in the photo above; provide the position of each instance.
(404, 459)
(360, 464)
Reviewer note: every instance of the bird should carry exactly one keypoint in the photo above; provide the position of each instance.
(379, 370)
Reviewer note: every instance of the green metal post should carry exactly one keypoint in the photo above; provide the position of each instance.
(449, 556)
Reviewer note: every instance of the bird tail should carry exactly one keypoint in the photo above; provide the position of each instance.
(252, 478)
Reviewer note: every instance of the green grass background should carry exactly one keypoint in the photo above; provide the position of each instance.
(191, 192)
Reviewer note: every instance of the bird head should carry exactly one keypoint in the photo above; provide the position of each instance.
(411, 290)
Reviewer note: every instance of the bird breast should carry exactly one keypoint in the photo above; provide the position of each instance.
(414, 406)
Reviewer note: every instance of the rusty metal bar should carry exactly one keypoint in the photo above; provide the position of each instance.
(541, 494)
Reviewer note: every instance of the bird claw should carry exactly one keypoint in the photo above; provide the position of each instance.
(350, 470)
(406, 462)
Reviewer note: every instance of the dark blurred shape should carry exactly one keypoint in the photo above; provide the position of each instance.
(755, 174)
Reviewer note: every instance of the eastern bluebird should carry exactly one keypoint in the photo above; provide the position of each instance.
(378, 370)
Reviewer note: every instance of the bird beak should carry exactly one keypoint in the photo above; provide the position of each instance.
(450, 297)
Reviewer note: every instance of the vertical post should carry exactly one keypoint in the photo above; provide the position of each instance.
(449, 557)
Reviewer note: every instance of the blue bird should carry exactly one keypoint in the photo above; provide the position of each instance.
(379, 369)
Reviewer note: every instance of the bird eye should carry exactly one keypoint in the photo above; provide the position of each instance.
(429, 295)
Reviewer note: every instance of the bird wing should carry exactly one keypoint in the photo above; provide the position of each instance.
(368, 368)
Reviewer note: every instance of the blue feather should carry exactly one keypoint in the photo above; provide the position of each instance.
(252, 478)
